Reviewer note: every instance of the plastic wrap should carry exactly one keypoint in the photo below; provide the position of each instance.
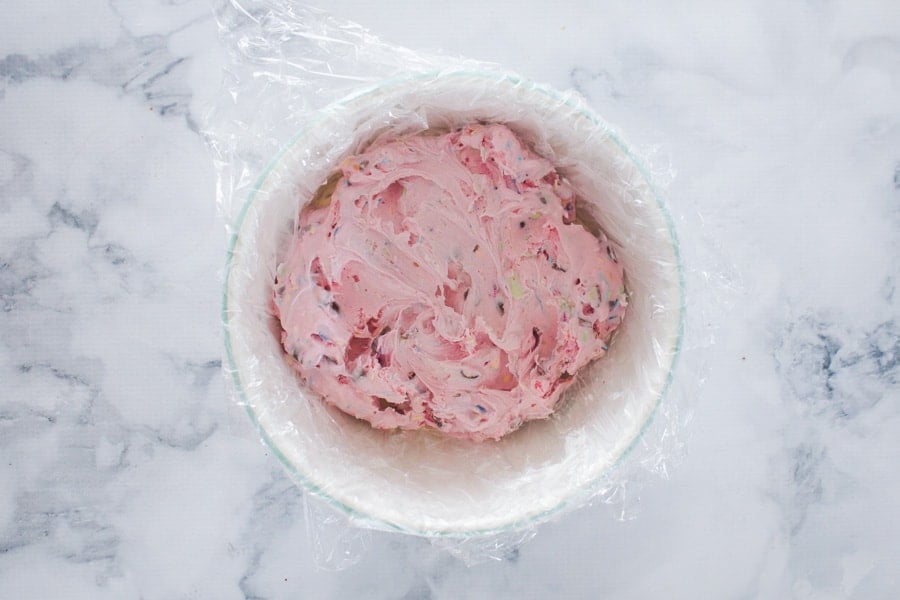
(303, 91)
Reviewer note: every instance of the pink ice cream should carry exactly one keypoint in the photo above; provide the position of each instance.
(447, 285)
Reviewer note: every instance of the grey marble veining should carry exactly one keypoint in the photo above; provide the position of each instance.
(125, 474)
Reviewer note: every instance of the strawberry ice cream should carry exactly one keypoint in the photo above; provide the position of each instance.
(446, 283)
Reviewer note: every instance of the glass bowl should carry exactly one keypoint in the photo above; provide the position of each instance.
(421, 482)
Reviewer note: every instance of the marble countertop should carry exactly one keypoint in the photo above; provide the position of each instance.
(123, 472)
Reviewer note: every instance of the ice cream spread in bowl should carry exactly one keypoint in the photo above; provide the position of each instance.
(452, 303)
(447, 284)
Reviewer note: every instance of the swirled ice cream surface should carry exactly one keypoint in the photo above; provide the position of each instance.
(447, 285)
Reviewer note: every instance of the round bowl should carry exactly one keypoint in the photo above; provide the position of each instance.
(419, 481)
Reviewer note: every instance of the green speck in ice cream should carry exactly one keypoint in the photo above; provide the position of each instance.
(515, 288)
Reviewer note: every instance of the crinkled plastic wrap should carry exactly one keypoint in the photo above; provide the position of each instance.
(302, 92)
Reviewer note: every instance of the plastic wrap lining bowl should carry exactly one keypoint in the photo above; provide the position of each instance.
(421, 482)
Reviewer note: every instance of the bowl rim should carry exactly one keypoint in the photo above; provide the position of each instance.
(321, 114)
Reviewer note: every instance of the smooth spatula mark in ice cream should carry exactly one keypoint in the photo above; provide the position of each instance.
(447, 285)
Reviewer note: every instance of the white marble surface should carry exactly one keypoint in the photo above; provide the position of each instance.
(122, 473)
